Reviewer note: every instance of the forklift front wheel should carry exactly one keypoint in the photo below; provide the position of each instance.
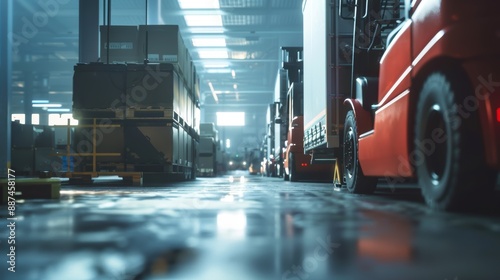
(356, 181)
(448, 152)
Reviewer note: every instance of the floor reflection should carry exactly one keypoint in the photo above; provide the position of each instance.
(246, 227)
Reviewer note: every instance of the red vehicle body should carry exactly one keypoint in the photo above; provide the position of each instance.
(296, 163)
(405, 89)
(436, 111)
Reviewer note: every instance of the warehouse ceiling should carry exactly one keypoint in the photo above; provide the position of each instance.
(245, 40)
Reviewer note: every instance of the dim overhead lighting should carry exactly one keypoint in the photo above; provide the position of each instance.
(209, 42)
(213, 54)
(233, 73)
(203, 20)
(235, 86)
(199, 4)
(39, 101)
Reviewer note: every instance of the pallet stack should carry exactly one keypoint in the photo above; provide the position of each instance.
(146, 113)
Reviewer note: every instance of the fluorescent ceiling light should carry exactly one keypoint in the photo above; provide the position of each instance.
(199, 4)
(218, 71)
(207, 30)
(213, 54)
(203, 20)
(209, 42)
(216, 65)
(39, 101)
(47, 105)
(59, 110)
(213, 92)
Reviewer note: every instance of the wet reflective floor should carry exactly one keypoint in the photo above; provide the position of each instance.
(248, 227)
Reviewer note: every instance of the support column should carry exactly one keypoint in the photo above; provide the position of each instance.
(28, 94)
(88, 30)
(5, 83)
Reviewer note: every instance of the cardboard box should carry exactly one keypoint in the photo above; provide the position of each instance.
(123, 42)
(164, 44)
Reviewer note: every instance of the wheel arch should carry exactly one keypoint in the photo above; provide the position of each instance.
(364, 118)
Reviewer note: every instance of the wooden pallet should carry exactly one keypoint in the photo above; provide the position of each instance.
(134, 178)
(149, 113)
(30, 188)
(110, 113)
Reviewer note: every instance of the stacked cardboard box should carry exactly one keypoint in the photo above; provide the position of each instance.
(123, 44)
(153, 104)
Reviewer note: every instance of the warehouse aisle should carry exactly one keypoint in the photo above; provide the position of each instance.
(248, 227)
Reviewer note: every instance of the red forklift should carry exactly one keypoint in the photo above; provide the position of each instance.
(398, 89)
(425, 97)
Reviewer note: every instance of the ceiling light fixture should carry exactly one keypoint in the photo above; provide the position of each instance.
(203, 20)
(218, 71)
(47, 105)
(216, 65)
(213, 54)
(213, 92)
(59, 110)
(199, 4)
(209, 42)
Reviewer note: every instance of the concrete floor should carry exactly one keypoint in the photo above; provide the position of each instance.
(249, 227)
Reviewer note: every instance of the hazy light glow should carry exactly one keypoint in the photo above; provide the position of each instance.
(233, 73)
(203, 20)
(209, 42)
(199, 4)
(230, 118)
(213, 54)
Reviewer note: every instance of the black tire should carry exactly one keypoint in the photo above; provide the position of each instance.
(356, 181)
(448, 152)
(294, 175)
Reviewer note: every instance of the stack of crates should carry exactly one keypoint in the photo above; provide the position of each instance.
(207, 153)
(147, 112)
